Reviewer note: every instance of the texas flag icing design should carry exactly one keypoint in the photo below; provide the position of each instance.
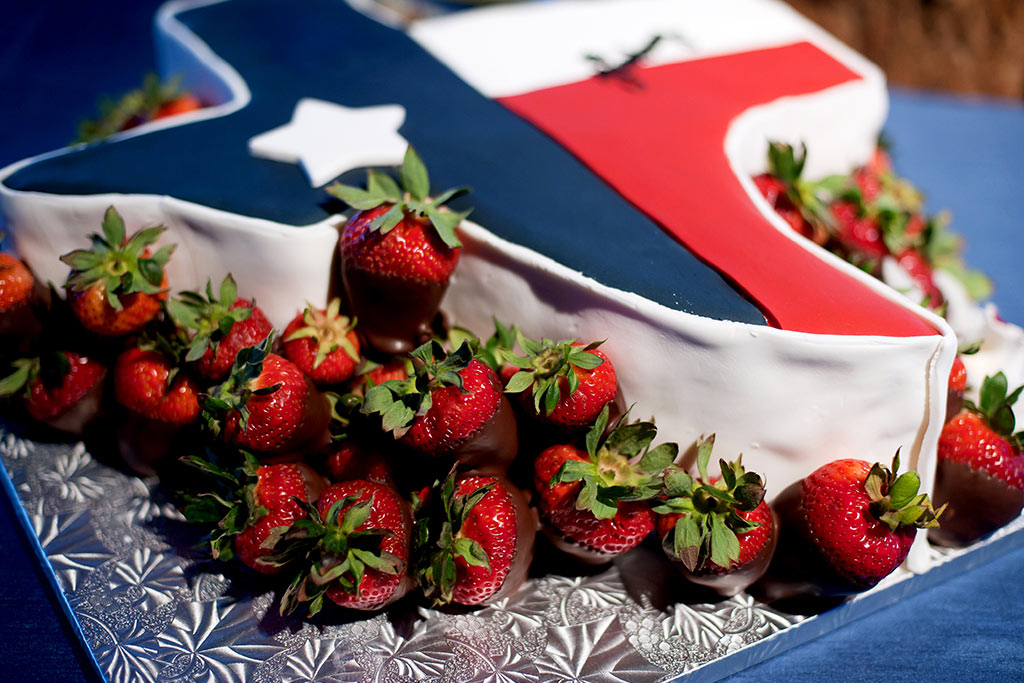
(663, 167)
(611, 205)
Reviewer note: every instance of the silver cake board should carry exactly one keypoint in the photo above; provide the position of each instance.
(147, 606)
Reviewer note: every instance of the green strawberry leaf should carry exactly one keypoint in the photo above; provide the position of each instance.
(445, 223)
(384, 186)
(472, 552)
(586, 361)
(203, 510)
(596, 432)
(113, 228)
(678, 482)
(904, 489)
(386, 222)
(658, 458)
(450, 194)
(728, 474)
(13, 383)
(629, 440)
(704, 447)
(725, 546)
(386, 562)
(355, 197)
(1003, 420)
(519, 382)
(686, 541)
(993, 393)
(413, 175)
(356, 516)
(573, 470)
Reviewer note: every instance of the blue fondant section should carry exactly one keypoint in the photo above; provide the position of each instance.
(526, 188)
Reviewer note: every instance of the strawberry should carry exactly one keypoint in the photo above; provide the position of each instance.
(323, 344)
(148, 384)
(845, 527)
(61, 389)
(920, 271)
(859, 235)
(720, 533)
(369, 373)
(158, 402)
(867, 216)
(356, 549)
(880, 163)
(346, 460)
(869, 182)
(980, 471)
(269, 406)
(776, 192)
(452, 407)
(956, 388)
(16, 283)
(594, 502)
(182, 104)
(116, 287)
(770, 187)
(250, 507)
(474, 544)
(397, 254)
(568, 383)
(397, 368)
(222, 326)
(18, 321)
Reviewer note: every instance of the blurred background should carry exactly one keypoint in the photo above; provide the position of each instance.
(965, 46)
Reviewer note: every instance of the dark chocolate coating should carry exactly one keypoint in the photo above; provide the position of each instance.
(978, 503)
(394, 314)
(494, 446)
(728, 585)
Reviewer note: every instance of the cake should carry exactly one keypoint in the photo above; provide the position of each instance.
(609, 202)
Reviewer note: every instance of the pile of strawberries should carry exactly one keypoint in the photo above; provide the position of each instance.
(866, 217)
(154, 100)
(367, 450)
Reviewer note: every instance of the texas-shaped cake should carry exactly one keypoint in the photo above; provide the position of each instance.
(609, 146)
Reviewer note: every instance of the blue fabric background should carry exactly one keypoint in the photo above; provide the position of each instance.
(57, 56)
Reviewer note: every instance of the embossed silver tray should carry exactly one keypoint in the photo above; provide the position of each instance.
(150, 608)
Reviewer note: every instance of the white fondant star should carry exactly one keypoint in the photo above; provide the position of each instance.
(327, 139)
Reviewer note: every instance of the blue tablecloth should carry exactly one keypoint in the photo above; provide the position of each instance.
(966, 154)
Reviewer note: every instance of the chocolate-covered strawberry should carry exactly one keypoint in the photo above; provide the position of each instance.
(452, 408)
(347, 459)
(980, 471)
(355, 549)
(719, 532)
(397, 254)
(323, 343)
(473, 540)
(845, 527)
(116, 287)
(594, 502)
(157, 401)
(563, 384)
(269, 406)
(61, 389)
(248, 509)
(222, 326)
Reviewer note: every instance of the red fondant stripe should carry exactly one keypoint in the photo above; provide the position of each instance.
(662, 147)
